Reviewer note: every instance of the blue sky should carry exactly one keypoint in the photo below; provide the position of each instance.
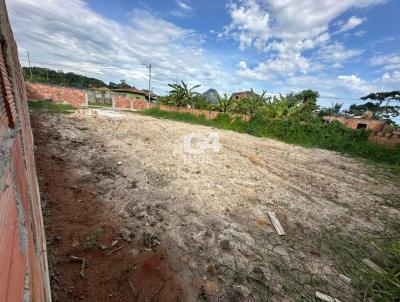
(342, 48)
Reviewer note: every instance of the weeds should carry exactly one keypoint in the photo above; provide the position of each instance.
(383, 249)
(91, 240)
(313, 134)
(50, 106)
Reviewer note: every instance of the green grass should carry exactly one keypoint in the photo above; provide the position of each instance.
(313, 134)
(348, 250)
(91, 239)
(50, 107)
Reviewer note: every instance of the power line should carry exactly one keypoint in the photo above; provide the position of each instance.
(165, 76)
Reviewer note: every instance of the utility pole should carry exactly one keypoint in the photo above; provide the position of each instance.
(149, 99)
(30, 67)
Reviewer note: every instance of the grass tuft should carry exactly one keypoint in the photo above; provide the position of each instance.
(49, 106)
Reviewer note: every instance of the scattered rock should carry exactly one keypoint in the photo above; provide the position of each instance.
(212, 288)
(134, 252)
(141, 215)
(261, 221)
(119, 163)
(127, 234)
(75, 243)
(225, 245)
(208, 234)
(258, 271)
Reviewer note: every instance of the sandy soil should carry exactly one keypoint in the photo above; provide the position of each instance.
(204, 215)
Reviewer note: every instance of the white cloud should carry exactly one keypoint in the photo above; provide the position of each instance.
(183, 5)
(68, 32)
(360, 33)
(352, 83)
(285, 63)
(184, 10)
(288, 28)
(388, 62)
(337, 53)
(353, 22)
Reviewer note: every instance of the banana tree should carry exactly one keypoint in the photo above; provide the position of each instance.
(182, 95)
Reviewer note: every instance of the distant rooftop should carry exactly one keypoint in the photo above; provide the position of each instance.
(134, 90)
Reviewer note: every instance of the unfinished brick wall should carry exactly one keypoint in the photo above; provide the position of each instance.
(124, 102)
(73, 96)
(352, 123)
(388, 138)
(23, 256)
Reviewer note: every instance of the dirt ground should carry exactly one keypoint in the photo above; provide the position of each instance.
(156, 223)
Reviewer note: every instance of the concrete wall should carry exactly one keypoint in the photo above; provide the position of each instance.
(23, 256)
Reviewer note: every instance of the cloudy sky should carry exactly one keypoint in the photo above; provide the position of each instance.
(342, 48)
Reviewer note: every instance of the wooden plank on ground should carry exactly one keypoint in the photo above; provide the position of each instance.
(373, 265)
(324, 297)
(276, 223)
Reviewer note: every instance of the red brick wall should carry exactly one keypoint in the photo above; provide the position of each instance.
(23, 255)
(353, 122)
(371, 124)
(123, 102)
(382, 137)
(73, 96)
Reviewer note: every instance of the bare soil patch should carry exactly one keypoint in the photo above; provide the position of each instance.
(194, 231)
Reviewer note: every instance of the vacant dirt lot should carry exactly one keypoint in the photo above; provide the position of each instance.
(155, 223)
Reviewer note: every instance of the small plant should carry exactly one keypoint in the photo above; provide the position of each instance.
(91, 240)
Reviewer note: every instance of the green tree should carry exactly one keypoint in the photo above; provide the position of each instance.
(379, 106)
(181, 95)
(69, 79)
(251, 105)
(335, 109)
(308, 100)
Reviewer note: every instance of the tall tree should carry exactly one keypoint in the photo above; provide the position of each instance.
(379, 106)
